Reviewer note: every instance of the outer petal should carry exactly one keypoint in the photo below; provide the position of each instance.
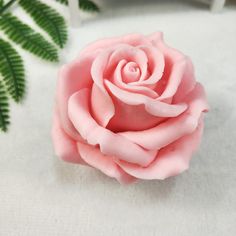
(64, 146)
(72, 77)
(102, 106)
(97, 71)
(187, 84)
(108, 141)
(93, 157)
(153, 106)
(155, 37)
(170, 161)
(130, 39)
(174, 128)
(176, 66)
(174, 80)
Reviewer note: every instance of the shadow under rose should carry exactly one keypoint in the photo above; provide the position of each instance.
(66, 173)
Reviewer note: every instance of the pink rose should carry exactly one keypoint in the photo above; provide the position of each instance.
(130, 107)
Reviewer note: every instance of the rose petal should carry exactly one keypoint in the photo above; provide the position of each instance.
(130, 39)
(178, 63)
(156, 65)
(108, 141)
(152, 106)
(64, 146)
(128, 118)
(174, 128)
(93, 157)
(97, 70)
(170, 161)
(102, 108)
(164, 133)
(72, 77)
(174, 80)
(117, 78)
(130, 54)
(130, 72)
(187, 84)
(155, 37)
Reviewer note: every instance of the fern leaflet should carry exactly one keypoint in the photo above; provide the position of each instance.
(63, 1)
(25, 36)
(48, 19)
(4, 109)
(86, 5)
(12, 70)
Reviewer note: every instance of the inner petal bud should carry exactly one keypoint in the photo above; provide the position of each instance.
(130, 72)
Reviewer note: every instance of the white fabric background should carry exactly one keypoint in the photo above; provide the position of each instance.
(41, 195)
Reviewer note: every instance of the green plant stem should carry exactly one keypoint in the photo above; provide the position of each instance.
(6, 6)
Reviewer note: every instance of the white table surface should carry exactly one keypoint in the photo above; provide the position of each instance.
(42, 195)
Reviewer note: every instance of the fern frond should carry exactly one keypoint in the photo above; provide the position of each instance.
(4, 109)
(12, 70)
(25, 36)
(63, 1)
(6, 6)
(48, 19)
(1, 3)
(86, 5)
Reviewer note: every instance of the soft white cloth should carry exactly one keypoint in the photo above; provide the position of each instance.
(42, 195)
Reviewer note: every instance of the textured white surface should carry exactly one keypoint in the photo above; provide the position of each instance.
(41, 195)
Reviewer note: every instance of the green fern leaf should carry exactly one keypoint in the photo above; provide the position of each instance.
(88, 5)
(48, 19)
(4, 109)
(12, 70)
(1, 3)
(85, 5)
(6, 6)
(63, 1)
(25, 36)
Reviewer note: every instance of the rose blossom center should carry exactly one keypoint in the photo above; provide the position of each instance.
(130, 72)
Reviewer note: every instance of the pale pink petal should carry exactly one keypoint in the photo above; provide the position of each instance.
(118, 80)
(130, 54)
(97, 72)
(108, 141)
(170, 161)
(196, 100)
(130, 39)
(164, 133)
(99, 66)
(176, 65)
(128, 118)
(72, 77)
(187, 84)
(102, 107)
(174, 128)
(153, 106)
(130, 72)
(156, 65)
(155, 37)
(93, 157)
(64, 146)
(174, 80)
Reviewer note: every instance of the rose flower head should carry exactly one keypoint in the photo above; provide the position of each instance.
(130, 107)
